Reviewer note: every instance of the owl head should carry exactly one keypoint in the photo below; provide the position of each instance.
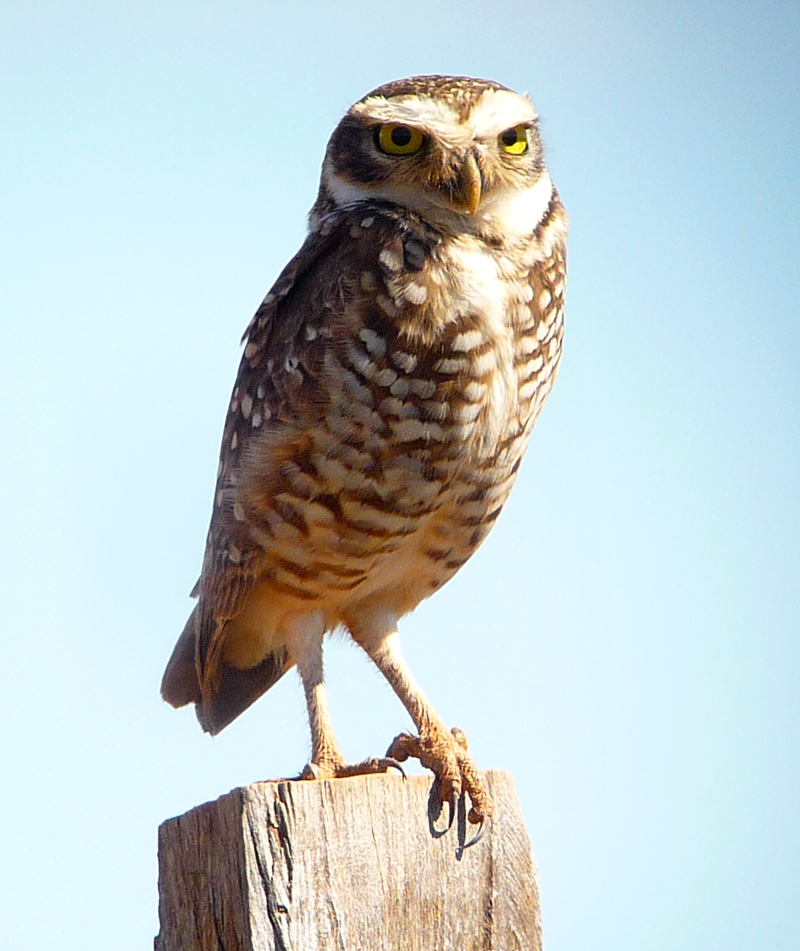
(464, 154)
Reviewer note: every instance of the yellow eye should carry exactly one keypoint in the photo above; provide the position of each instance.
(396, 139)
(515, 140)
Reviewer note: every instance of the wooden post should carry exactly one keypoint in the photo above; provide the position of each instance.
(361, 864)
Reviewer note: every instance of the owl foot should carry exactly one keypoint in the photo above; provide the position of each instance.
(341, 770)
(445, 755)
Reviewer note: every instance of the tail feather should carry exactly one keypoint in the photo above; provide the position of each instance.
(233, 691)
(180, 684)
(237, 689)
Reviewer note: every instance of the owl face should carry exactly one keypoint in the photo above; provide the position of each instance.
(464, 154)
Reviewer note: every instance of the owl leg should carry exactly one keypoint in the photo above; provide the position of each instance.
(304, 636)
(443, 751)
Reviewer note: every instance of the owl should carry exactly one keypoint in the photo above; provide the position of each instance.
(388, 387)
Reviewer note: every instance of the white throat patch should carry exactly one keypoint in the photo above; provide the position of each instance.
(513, 212)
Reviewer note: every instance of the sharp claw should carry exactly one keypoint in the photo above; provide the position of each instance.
(391, 763)
(477, 837)
(452, 802)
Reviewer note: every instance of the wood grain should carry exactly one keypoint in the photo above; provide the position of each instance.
(361, 864)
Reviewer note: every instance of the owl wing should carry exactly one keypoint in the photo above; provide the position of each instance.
(262, 405)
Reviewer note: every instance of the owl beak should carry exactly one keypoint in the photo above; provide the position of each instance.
(469, 180)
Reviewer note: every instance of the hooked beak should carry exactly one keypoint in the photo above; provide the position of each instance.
(469, 182)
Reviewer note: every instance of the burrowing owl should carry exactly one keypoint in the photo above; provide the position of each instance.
(389, 384)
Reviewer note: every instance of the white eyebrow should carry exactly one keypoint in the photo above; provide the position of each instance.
(495, 111)
(424, 112)
(499, 109)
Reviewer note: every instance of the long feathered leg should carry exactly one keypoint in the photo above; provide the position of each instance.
(443, 751)
(305, 635)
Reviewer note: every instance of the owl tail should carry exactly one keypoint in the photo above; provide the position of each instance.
(180, 684)
(234, 689)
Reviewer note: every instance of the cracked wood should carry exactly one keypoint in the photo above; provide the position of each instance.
(358, 864)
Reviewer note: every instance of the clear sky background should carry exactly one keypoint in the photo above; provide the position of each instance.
(626, 641)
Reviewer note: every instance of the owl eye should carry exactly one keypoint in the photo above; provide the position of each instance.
(515, 141)
(396, 139)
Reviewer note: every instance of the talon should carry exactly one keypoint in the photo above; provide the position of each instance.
(343, 770)
(446, 755)
(478, 835)
(394, 764)
(372, 765)
(452, 803)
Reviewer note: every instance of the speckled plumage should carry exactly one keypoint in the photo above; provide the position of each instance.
(388, 388)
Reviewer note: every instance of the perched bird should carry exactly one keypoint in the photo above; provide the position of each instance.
(389, 385)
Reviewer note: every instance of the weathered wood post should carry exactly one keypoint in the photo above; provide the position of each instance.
(361, 864)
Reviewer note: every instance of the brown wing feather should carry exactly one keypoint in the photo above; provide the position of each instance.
(195, 672)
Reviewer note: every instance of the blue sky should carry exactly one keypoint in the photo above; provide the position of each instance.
(626, 641)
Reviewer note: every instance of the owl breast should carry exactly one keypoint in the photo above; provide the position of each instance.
(400, 411)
